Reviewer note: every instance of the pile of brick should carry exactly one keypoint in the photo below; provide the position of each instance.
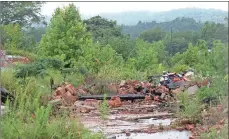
(68, 93)
(115, 102)
(134, 87)
(8, 60)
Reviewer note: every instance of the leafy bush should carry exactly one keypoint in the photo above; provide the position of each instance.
(191, 107)
(15, 51)
(179, 68)
(38, 68)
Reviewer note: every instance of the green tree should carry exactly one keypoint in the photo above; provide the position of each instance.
(218, 58)
(152, 35)
(66, 35)
(36, 32)
(146, 56)
(123, 45)
(180, 41)
(212, 31)
(12, 36)
(102, 29)
(22, 13)
(95, 56)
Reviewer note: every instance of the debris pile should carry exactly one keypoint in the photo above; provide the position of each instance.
(169, 85)
(8, 60)
(66, 92)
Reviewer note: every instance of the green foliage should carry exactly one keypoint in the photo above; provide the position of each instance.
(102, 29)
(20, 122)
(213, 134)
(104, 108)
(94, 57)
(117, 73)
(38, 68)
(110, 57)
(123, 45)
(13, 37)
(36, 32)
(192, 107)
(23, 13)
(218, 89)
(178, 24)
(212, 31)
(202, 15)
(152, 35)
(148, 56)
(65, 36)
(180, 41)
(15, 51)
(179, 68)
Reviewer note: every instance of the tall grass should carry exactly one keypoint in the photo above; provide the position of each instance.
(28, 119)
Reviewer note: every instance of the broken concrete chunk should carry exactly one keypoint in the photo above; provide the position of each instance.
(193, 89)
(84, 110)
(225, 110)
(3, 110)
(123, 82)
(55, 102)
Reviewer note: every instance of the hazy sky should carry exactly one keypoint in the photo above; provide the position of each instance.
(93, 8)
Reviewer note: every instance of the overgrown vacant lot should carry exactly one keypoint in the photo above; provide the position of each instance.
(85, 78)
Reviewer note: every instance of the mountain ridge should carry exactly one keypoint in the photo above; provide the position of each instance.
(199, 14)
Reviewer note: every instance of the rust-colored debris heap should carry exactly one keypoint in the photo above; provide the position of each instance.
(66, 92)
(150, 92)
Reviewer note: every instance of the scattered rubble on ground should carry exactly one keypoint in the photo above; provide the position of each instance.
(8, 60)
(128, 101)
(131, 90)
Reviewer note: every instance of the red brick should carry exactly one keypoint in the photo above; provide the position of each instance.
(115, 102)
(70, 88)
(69, 99)
(68, 93)
(148, 98)
(60, 91)
(189, 126)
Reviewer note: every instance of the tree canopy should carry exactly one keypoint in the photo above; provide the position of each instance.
(65, 35)
(102, 28)
(22, 13)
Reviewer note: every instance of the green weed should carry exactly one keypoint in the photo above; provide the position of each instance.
(104, 108)
(191, 107)
(223, 134)
(27, 118)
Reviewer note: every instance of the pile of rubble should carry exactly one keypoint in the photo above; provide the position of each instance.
(8, 60)
(132, 89)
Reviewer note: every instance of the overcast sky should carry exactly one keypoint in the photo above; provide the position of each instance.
(93, 8)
